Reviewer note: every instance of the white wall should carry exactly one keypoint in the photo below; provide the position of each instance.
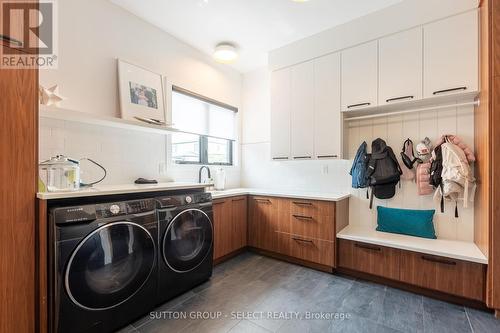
(92, 34)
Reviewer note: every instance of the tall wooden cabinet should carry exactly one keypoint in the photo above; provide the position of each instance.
(487, 139)
(18, 182)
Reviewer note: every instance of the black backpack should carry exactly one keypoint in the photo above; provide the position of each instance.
(358, 170)
(383, 171)
(436, 170)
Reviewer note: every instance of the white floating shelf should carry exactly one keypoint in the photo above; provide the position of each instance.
(93, 119)
(435, 103)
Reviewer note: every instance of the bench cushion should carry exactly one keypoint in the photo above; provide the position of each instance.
(418, 223)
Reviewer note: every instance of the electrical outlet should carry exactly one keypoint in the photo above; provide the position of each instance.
(162, 168)
(324, 169)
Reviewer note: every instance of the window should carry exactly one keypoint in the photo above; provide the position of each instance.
(209, 128)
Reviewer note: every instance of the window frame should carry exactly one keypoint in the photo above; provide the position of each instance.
(203, 153)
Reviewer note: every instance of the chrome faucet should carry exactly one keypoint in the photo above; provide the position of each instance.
(208, 173)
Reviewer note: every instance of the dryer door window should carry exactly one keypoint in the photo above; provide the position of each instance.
(187, 240)
(110, 265)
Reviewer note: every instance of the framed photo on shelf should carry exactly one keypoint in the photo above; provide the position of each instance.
(141, 94)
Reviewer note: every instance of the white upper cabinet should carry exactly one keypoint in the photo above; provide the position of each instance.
(280, 114)
(327, 116)
(400, 67)
(451, 55)
(360, 76)
(302, 110)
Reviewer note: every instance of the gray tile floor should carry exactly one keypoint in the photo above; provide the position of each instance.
(251, 293)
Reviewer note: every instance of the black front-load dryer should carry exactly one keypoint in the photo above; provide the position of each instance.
(185, 242)
(105, 265)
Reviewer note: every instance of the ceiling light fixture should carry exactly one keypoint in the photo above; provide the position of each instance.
(225, 53)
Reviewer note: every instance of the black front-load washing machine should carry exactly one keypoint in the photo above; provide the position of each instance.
(185, 243)
(104, 265)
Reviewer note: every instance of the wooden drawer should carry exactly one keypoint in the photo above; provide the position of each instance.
(318, 227)
(312, 208)
(309, 249)
(451, 276)
(367, 258)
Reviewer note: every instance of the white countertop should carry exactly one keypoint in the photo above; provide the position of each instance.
(120, 189)
(467, 251)
(324, 196)
(133, 188)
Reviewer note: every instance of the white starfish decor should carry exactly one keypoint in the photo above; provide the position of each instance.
(50, 96)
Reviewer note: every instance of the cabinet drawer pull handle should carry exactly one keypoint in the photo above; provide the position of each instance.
(216, 203)
(328, 156)
(240, 199)
(302, 240)
(448, 90)
(280, 158)
(368, 247)
(266, 201)
(439, 261)
(358, 105)
(300, 217)
(302, 203)
(302, 157)
(399, 98)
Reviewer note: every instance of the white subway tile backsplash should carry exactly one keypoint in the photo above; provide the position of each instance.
(127, 155)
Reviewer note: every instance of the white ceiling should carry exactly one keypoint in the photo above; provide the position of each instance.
(256, 26)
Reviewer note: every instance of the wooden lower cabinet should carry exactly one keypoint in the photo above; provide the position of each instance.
(367, 258)
(263, 223)
(454, 277)
(230, 225)
(460, 278)
(239, 226)
(301, 229)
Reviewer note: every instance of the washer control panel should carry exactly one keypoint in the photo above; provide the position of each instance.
(111, 209)
(184, 200)
(89, 213)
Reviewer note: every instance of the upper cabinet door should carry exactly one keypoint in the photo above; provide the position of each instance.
(451, 62)
(327, 117)
(360, 76)
(280, 114)
(400, 66)
(302, 120)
